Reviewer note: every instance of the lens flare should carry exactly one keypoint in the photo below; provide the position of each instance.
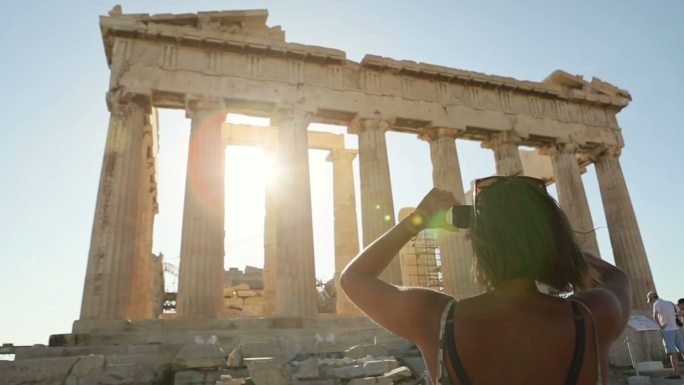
(417, 220)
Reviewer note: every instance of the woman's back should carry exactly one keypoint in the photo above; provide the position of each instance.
(522, 337)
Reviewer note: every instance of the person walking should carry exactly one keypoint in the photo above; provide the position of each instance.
(665, 314)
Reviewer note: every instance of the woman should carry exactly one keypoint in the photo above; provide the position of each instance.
(512, 333)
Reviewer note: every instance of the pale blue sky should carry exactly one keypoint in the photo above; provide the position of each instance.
(54, 77)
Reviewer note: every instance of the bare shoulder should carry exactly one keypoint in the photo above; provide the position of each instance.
(422, 309)
(608, 311)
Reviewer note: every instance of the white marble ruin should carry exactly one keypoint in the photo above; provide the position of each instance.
(213, 63)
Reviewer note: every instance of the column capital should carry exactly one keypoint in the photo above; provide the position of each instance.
(360, 125)
(284, 114)
(341, 155)
(604, 152)
(117, 99)
(559, 148)
(502, 138)
(217, 108)
(430, 134)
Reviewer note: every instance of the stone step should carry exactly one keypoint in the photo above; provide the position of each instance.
(42, 351)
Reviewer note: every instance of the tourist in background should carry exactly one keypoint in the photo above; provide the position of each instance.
(665, 314)
(512, 333)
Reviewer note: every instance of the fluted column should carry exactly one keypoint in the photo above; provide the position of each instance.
(571, 195)
(295, 287)
(506, 153)
(455, 249)
(143, 294)
(200, 283)
(270, 234)
(346, 227)
(106, 293)
(625, 238)
(377, 208)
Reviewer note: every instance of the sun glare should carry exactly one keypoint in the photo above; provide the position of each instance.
(249, 120)
(248, 170)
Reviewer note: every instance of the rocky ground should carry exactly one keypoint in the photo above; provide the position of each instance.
(247, 364)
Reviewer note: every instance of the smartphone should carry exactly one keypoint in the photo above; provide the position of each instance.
(460, 216)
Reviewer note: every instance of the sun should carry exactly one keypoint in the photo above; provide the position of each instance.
(248, 169)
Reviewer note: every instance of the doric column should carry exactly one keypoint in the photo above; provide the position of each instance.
(377, 208)
(455, 249)
(270, 234)
(571, 195)
(506, 154)
(200, 283)
(106, 293)
(143, 293)
(295, 287)
(346, 227)
(625, 238)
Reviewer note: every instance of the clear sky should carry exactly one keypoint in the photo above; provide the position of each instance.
(54, 77)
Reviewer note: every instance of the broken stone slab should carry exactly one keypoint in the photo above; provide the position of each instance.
(371, 381)
(308, 369)
(347, 372)
(87, 370)
(363, 381)
(53, 370)
(196, 377)
(317, 381)
(648, 367)
(268, 371)
(398, 374)
(227, 379)
(189, 377)
(286, 350)
(193, 356)
(416, 364)
(360, 351)
(128, 369)
(378, 367)
(235, 358)
(127, 375)
(235, 381)
(346, 361)
(371, 358)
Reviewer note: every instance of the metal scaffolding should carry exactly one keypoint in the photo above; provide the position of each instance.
(421, 261)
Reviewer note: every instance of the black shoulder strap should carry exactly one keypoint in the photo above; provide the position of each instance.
(451, 347)
(578, 356)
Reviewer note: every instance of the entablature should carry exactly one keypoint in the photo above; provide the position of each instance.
(173, 60)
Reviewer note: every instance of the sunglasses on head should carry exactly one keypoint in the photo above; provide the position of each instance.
(463, 216)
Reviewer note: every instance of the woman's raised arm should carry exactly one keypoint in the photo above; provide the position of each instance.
(397, 309)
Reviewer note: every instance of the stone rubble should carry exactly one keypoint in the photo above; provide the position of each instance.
(206, 364)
